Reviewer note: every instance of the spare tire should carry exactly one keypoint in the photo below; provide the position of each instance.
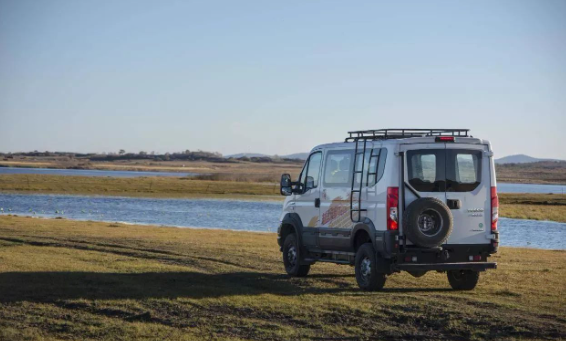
(427, 222)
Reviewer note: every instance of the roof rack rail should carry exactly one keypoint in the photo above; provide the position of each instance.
(402, 133)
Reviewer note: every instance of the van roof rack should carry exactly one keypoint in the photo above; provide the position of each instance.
(402, 133)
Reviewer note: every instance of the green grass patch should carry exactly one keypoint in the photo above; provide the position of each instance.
(63, 279)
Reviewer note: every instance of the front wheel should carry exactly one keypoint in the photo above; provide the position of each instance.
(367, 276)
(292, 258)
(463, 279)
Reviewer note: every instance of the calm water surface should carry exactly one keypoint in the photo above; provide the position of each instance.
(89, 172)
(503, 187)
(225, 214)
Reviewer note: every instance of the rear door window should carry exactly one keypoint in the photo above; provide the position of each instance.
(426, 169)
(463, 170)
(439, 170)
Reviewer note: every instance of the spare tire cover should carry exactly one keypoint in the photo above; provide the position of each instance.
(427, 222)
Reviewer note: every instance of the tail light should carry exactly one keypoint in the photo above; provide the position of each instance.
(494, 208)
(445, 139)
(392, 208)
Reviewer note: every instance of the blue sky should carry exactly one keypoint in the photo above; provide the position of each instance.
(278, 77)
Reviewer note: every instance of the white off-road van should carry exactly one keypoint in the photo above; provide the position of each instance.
(392, 200)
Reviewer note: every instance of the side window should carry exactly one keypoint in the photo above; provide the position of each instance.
(366, 161)
(381, 164)
(303, 175)
(373, 167)
(313, 168)
(338, 168)
(339, 163)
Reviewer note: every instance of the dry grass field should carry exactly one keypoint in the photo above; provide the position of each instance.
(534, 212)
(69, 280)
(160, 187)
(533, 206)
(545, 172)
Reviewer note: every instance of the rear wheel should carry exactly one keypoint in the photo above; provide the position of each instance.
(463, 279)
(366, 269)
(292, 257)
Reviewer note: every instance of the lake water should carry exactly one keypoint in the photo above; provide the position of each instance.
(503, 187)
(89, 172)
(225, 214)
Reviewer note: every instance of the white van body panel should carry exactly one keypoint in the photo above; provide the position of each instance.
(472, 221)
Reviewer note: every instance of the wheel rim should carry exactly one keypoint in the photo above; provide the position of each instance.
(365, 269)
(292, 255)
(430, 222)
(458, 275)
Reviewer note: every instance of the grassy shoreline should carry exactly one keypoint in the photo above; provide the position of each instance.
(158, 187)
(62, 279)
(520, 206)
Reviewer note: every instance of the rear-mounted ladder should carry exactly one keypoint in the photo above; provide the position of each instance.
(357, 191)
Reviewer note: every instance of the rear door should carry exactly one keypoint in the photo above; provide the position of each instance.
(468, 184)
(424, 171)
(458, 175)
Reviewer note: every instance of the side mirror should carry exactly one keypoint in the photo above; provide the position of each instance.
(286, 188)
(310, 183)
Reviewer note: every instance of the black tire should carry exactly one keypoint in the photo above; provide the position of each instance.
(463, 279)
(417, 274)
(292, 257)
(427, 222)
(367, 276)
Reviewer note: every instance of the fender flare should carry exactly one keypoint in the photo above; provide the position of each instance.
(294, 220)
(381, 241)
(366, 226)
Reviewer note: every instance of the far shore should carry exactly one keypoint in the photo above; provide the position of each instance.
(520, 206)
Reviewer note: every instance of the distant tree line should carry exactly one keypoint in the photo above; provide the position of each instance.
(178, 156)
(554, 164)
(187, 155)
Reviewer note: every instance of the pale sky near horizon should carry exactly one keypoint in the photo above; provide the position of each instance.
(278, 77)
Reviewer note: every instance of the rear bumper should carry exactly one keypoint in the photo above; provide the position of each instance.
(477, 266)
(444, 258)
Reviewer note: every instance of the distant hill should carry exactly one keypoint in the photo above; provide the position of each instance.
(299, 156)
(239, 155)
(520, 158)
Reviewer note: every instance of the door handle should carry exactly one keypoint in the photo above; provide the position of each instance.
(317, 202)
(454, 204)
